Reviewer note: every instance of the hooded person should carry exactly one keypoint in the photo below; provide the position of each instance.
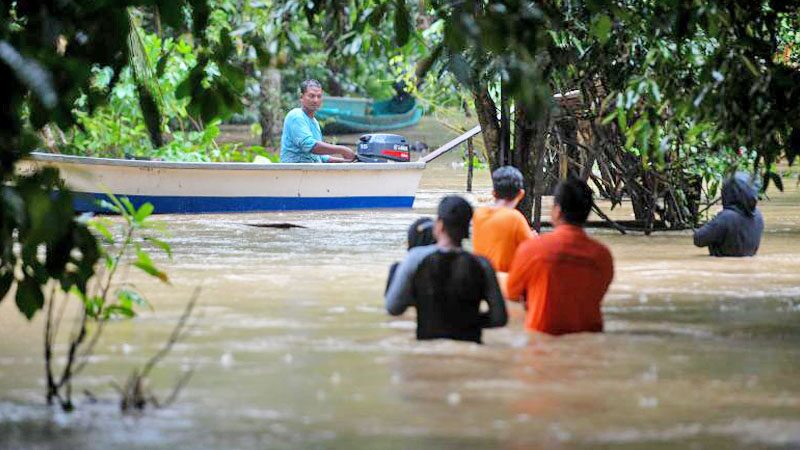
(737, 229)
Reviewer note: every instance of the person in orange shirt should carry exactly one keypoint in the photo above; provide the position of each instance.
(565, 274)
(498, 230)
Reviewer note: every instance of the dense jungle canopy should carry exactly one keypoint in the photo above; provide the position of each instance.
(655, 101)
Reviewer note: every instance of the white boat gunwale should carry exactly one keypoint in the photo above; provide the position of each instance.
(89, 160)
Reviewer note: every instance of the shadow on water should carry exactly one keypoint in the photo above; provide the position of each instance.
(280, 226)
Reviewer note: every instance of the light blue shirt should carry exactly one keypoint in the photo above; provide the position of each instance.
(300, 134)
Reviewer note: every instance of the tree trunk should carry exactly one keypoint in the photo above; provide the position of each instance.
(542, 126)
(523, 157)
(270, 107)
(486, 111)
(529, 147)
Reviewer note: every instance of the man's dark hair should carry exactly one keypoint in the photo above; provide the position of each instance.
(455, 213)
(574, 197)
(420, 233)
(507, 182)
(309, 83)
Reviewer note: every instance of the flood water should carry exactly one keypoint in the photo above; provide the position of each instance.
(291, 348)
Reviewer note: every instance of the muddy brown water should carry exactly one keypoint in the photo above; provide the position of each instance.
(291, 348)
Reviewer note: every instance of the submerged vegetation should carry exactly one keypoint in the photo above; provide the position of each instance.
(103, 297)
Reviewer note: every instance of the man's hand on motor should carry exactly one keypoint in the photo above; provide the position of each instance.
(346, 153)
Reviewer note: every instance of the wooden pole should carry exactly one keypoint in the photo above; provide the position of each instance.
(563, 162)
(451, 145)
(470, 157)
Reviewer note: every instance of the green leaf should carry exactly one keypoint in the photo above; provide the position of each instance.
(160, 244)
(294, 40)
(116, 205)
(110, 207)
(29, 297)
(601, 28)
(101, 226)
(128, 298)
(234, 75)
(143, 212)
(130, 210)
(750, 66)
(146, 265)
(93, 305)
(115, 311)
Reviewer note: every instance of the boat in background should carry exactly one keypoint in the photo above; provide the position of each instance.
(190, 187)
(343, 115)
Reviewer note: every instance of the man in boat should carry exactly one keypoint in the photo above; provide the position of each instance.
(737, 229)
(301, 141)
(447, 284)
(499, 229)
(564, 274)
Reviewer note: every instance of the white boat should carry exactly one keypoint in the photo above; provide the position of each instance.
(183, 187)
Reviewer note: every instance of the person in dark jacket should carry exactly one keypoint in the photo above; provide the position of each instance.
(447, 284)
(737, 229)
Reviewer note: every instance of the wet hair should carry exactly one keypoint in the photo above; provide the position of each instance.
(420, 233)
(455, 214)
(574, 197)
(309, 83)
(507, 182)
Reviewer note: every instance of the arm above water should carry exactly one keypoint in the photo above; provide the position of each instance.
(400, 294)
(518, 274)
(711, 233)
(496, 316)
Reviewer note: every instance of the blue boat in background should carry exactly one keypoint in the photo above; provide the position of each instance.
(348, 115)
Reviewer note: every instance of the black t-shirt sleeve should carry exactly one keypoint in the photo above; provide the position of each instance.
(497, 315)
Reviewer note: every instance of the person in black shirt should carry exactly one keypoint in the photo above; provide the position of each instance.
(447, 284)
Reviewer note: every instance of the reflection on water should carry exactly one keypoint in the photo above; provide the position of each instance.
(292, 348)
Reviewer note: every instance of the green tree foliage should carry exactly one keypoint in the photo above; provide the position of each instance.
(48, 52)
(689, 86)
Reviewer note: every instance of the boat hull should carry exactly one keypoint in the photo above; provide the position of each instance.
(234, 187)
(342, 115)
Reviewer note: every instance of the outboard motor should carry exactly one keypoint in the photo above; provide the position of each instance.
(380, 147)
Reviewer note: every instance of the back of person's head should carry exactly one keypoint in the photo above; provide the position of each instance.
(507, 181)
(455, 214)
(739, 191)
(421, 233)
(574, 197)
(309, 83)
